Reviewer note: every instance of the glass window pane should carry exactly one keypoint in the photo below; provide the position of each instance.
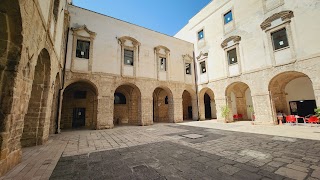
(228, 17)
(188, 68)
(280, 39)
(83, 49)
(232, 56)
(203, 68)
(163, 64)
(200, 35)
(128, 57)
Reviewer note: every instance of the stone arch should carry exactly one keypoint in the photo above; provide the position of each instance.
(54, 108)
(163, 105)
(130, 112)
(239, 100)
(79, 105)
(207, 104)
(292, 93)
(88, 81)
(189, 105)
(36, 121)
(10, 56)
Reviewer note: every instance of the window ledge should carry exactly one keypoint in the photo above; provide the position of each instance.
(288, 47)
(233, 64)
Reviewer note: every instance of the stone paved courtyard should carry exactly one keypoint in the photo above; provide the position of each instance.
(170, 151)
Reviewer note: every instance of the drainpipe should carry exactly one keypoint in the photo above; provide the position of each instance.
(63, 81)
(196, 83)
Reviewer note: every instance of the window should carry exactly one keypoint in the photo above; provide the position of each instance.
(128, 57)
(83, 48)
(80, 95)
(119, 98)
(228, 17)
(166, 100)
(163, 64)
(232, 56)
(200, 35)
(188, 68)
(203, 68)
(280, 39)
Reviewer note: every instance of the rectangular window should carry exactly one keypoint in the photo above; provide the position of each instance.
(83, 48)
(228, 17)
(163, 64)
(280, 39)
(203, 68)
(200, 35)
(188, 68)
(232, 56)
(128, 57)
(80, 95)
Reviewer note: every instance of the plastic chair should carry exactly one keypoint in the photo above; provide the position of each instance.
(236, 117)
(291, 119)
(312, 120)
(240, 116)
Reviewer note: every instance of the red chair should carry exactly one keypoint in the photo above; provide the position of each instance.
(240, 116)
(236, 117)
(312, 120)
(291, 119)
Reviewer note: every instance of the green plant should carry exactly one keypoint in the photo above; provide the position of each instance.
(225, 112)
(317, 111)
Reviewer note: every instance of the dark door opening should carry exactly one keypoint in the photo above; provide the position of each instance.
(79, 117)
(302, 108)
(189, 112)
(207, 104)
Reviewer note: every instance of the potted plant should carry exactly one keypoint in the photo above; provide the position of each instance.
(317, 111)
(251, 110)
(225, 113)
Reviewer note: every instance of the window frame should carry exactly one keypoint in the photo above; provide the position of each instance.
(160, 63)
(224, 17)
(122, 99)
(186, 68)
(273, 40)
(236, 56)
(198, 35)
(124, 57)
(201, 68)
(83, 56)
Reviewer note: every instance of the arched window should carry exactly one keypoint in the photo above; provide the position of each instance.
(119, 98)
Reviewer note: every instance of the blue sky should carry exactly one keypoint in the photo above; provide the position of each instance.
(165, 16)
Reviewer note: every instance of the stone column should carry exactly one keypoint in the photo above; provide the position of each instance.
(178, 110)
(195, 109)
(146, 111)
(263, 109)
(105, 108)
(220, 102)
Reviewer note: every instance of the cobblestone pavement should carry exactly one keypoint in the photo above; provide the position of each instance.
(169, 151)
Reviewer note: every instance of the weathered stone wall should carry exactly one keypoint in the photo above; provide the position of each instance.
(139, 102)
(26, 36)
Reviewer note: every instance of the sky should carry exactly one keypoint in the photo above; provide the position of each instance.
(164, 16)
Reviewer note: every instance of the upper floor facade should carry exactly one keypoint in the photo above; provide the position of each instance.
(102, 44)
(233, 37)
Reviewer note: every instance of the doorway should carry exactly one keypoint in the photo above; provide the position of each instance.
(79, 117)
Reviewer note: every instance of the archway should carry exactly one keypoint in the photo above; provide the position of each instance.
(54, 107)
(79, 106)
(239, 100)
(163, 105)
(36, 119)
(13, 98)
(292, 93)
(187, 105)
(207, 104)
(127, 105)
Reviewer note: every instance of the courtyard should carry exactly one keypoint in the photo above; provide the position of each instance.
(190, 150)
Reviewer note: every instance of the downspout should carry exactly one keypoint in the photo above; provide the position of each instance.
(196, 83)
(63, 81)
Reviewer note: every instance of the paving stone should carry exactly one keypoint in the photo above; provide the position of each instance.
(276, 164)
(299, 168)
(283, 160)
(291, 173)
(316, 174)
(243, 174)
(230, 170)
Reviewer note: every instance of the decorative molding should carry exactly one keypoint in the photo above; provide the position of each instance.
(158, 48)
(123, 39)
(202, 54)
(284, 15)
(85, 28)
(235, 39)
(187, 57)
